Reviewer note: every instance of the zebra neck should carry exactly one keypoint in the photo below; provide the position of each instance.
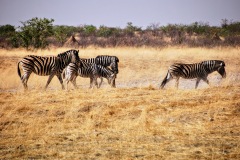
(63, 63)
(106, 73)
(84, 63)
(209, 66)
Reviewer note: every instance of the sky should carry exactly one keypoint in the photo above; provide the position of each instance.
(117, 13)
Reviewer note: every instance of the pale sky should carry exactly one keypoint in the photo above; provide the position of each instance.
(116, 13)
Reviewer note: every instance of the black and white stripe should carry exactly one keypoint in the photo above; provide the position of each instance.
(197, 70)
(89, 60)
(104, 72)
(88, 70)
(105, 61)
(45, 66)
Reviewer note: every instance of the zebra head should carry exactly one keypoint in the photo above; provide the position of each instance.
(215, 65)
(111, 79)
(114, 64)
(70, 56)
(220, 67)
(74, 56)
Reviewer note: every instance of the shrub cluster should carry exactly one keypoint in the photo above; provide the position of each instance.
(40, 33)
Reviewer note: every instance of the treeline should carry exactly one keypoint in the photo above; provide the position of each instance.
(38, 33)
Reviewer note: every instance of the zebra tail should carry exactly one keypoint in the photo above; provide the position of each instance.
(165, 80)
(19, 72)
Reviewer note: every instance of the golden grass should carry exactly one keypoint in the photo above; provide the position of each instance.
(133, 121)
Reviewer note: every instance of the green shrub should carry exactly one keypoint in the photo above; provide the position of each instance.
(34, 32)
(104, 31)
(89, 30)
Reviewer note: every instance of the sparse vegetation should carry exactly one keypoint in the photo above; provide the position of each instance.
(38, 33)
(133, 121)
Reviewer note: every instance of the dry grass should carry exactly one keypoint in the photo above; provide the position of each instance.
(133, 121)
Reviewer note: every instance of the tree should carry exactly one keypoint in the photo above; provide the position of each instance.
(7, 30)
(8, 35)
(60, 33)
(89, 30)
(104, 31)
(35, 32)
(130, 29)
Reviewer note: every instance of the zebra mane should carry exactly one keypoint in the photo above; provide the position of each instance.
(88, 60)
(111, 58)
(65, 53)
(214, 62)
(208, 62)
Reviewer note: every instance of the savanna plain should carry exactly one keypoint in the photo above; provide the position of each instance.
(135, 120)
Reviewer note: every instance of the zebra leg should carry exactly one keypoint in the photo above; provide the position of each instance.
(67, 81)
(60, 80)
(24, 80)
(49, 80)
(177, 83)
(114, 84)
(91, 81)
(74, 82)
(99, 85)
(197, 82)
(95, 82)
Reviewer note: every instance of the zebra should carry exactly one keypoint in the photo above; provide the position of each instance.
(107, 73)
(105, 61)
(88, 70)
(45, 66)
(197, 70)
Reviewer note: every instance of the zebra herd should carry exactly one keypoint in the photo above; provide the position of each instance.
(93, 68)
(68, 65)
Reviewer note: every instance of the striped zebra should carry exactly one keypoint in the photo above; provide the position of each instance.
(106, 61)
(197, 70)
(45, 66)
(88, 70)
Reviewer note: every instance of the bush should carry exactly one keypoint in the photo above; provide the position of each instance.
(7, 35)
(34, 33)
(7, 31)
(230, 28)
(89, 30)
(104, 31)
(130, 29)
(38, 33)
(61, 33)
